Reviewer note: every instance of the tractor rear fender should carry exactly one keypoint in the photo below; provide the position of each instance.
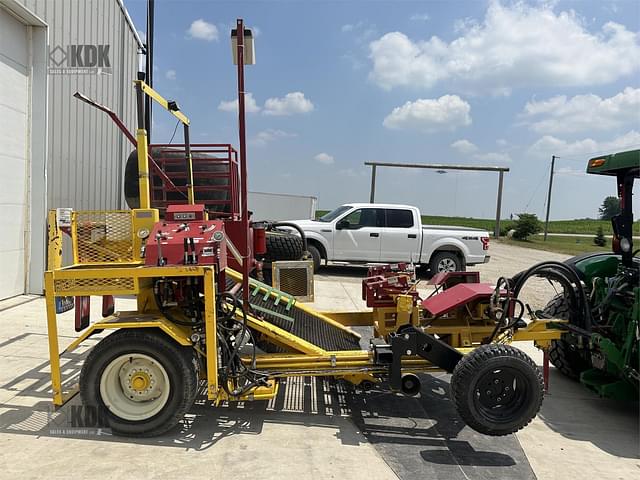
(591, 265)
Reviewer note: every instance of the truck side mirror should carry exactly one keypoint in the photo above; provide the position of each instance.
(342, 225)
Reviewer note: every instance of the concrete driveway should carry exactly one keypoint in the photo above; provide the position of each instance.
(313, 429)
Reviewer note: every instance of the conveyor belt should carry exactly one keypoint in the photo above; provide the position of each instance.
(279, 309)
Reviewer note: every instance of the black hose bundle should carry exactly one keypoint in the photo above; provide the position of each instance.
(236, 377)
(580, 312)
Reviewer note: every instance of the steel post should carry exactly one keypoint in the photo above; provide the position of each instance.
(246, 249)
(496, 231)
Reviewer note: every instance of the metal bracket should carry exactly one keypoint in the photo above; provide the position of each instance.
(412, 341)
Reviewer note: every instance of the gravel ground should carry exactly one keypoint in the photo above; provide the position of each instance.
(507, 260)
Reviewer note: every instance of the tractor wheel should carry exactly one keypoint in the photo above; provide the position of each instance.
(445, 262)
(497, 389)
(565, 356)
(283, 246)
(140, 380)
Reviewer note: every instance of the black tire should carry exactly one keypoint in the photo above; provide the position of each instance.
(178, 362)
(497, 389)
(283, 246)
(568, 358)
(315, 256)
(445, 262)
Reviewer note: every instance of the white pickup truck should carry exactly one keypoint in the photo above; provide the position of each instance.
(387, 233)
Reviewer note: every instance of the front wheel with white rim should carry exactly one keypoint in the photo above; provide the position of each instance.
(445, 262)
(141, 380)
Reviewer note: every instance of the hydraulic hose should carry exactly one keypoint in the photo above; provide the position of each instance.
(568, 278)
(295, 227)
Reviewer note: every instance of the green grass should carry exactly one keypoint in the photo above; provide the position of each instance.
(566, 245)
(588, 226)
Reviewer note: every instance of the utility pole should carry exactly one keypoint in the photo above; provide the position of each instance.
(372, 192)
(546, 222)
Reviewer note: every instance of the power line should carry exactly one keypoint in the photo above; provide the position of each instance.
(544, 175)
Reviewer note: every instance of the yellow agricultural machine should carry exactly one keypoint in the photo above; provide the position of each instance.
(198, 320)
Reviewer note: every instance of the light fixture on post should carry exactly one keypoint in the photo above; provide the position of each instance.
(243, 54)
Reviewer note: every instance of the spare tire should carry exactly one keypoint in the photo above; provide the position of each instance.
(282, 246)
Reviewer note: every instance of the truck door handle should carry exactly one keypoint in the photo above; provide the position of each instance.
(374, 234)
(412, 235)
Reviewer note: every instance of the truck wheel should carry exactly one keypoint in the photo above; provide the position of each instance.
(445, 262)
(565, 356)
(315, 256)
(283, 246)
(497, 389)
(141, 382)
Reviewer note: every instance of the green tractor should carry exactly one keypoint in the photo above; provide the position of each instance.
(603, 307)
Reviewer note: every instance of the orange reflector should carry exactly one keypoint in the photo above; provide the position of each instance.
(598, 162)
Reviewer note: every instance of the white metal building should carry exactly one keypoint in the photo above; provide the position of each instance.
(54, 150)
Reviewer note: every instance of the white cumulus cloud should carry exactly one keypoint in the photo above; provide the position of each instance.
(419, 17)
(203, 30)
(250, 105)
(324, 158)
(583, 112)
(269, 135)
(464, 146)
(292, 103)
(445, 113)
(549, 145)
(493, 157)
(170, 74)
(515, 45)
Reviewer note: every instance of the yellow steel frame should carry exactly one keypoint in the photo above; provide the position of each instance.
(134, 278)
(143, 149)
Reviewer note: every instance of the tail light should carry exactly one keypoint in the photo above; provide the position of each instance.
(485, 243)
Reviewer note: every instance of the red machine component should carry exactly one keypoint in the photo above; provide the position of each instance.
(178, 213)
(215, 174)
(385, 281)
(185, 238)
(457, 296)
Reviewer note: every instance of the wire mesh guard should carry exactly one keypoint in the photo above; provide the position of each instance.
(103, 236)
(95, 286)
(294, 278)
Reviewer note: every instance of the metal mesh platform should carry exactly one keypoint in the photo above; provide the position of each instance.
(279, 309)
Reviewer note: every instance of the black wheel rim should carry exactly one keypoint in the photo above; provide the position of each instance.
(500, 394)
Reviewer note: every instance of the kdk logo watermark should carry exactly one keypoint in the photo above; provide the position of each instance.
(80, 60)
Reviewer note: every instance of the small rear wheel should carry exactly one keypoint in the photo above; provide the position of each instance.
(140, 380)
(497, 389)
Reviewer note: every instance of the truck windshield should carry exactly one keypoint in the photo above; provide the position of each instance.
(333, 214)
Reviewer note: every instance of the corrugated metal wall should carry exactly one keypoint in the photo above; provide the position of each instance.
(87, 152)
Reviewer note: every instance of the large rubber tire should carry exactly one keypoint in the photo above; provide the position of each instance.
(316, 256)
(565, 356)
(445, 262)
(283, 246)
(497, 389)
(177, 362)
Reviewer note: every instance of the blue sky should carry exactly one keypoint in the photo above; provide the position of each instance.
(467, 82)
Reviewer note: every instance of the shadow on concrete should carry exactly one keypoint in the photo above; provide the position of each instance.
(579, 414)
(412, 434)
